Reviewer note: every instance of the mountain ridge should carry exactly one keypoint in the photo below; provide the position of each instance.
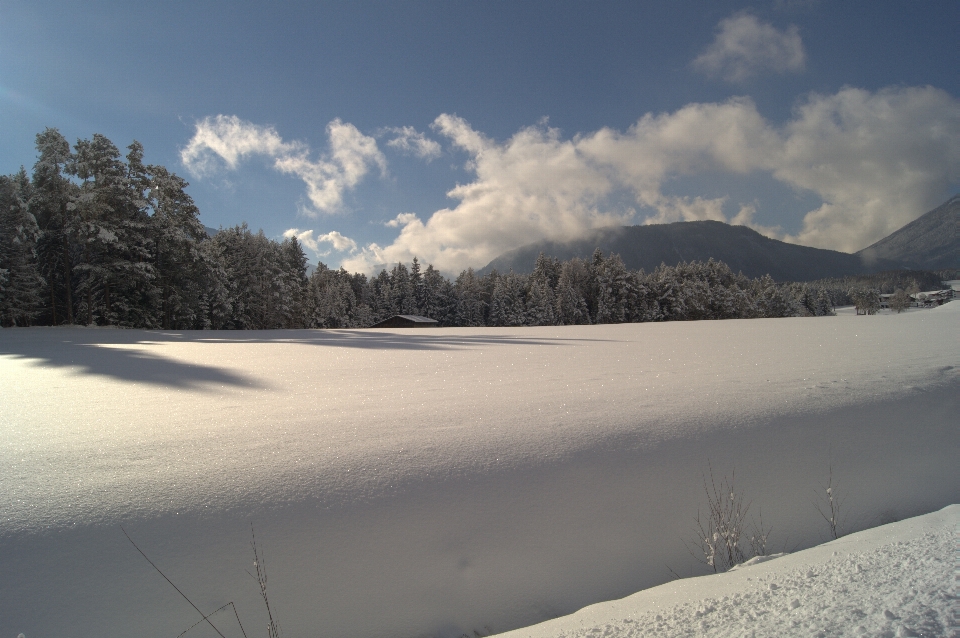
(747, 251)
(929, 242)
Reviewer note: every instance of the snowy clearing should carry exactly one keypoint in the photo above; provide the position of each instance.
(443, 481)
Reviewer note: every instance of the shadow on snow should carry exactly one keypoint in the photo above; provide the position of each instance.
(113, 353)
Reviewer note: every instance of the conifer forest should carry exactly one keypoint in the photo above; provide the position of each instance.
(93, 237)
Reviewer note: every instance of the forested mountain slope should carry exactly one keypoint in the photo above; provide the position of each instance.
(929, 242)
(743, 249)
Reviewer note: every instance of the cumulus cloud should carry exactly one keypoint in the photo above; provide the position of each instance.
(876, 160)
(229, 139)
(746, 47)
(402, 220)
(410, 141)
(338, 242)
(225, 140)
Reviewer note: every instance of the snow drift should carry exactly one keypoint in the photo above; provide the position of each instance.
(443, 481)
(893, 580)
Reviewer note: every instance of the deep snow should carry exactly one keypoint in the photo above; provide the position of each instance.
(440, 481)
(893, 580)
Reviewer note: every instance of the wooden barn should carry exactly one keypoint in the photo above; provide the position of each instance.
(407, 321)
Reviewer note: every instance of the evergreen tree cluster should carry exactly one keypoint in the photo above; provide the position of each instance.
(96, 238)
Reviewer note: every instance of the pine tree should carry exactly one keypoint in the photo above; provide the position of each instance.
(20, 281)
(774, 301)
(53, 205)
(404, 300)
(439, 299)
(293, 264)
(470, 305)
(540, 304)
(418, 292)
(541, 299)
(572, 284)
(176, 234)
(824, 306)
(384, 305)
(117, 279)
(508, 305)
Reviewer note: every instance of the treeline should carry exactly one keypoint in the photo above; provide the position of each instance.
(854, 289)
(96, 238)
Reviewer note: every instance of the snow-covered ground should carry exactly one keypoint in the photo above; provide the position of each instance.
(441, 481)
(893, 580)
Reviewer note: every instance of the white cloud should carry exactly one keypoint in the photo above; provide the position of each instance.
(876, 160)
(228, 139)
(745, 47)
(338, 242)
(408, 140)
(402, 220)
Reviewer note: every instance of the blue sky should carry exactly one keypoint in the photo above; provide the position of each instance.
(455, 130)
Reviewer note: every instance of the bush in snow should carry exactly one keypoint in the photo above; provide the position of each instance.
(722, 536)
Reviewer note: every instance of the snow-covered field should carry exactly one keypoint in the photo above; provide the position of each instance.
(444, 481)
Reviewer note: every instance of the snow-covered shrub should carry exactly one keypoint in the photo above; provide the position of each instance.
(723, 539)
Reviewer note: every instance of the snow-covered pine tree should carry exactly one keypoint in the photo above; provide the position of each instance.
(540, 304)
(404, 301)
(117, 279)
(440, 301)
(508, 303)
(725, 294)
(217, 291)
(176, 234)
(541, 300)
(418, 291)
(774, 301)
(572, 285)
(251, 265)
(470, 305)
(668, 289)
(824, 306)
(21, 286)
(51, 204)
(616, 289)
(383, 304)
(333, 298)
(293, 265)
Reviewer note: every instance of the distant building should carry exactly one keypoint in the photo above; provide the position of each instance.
(933, 298)
(407, 321)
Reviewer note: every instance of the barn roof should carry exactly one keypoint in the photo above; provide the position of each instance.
(399, 321)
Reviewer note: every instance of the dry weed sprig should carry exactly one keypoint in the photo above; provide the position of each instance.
(204, 617)
(829, 505)
(273, 628)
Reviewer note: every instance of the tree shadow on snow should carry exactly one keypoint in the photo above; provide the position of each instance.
(410, 339)
(113, 354)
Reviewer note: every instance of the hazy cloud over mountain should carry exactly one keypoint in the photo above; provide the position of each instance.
(872, 157)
